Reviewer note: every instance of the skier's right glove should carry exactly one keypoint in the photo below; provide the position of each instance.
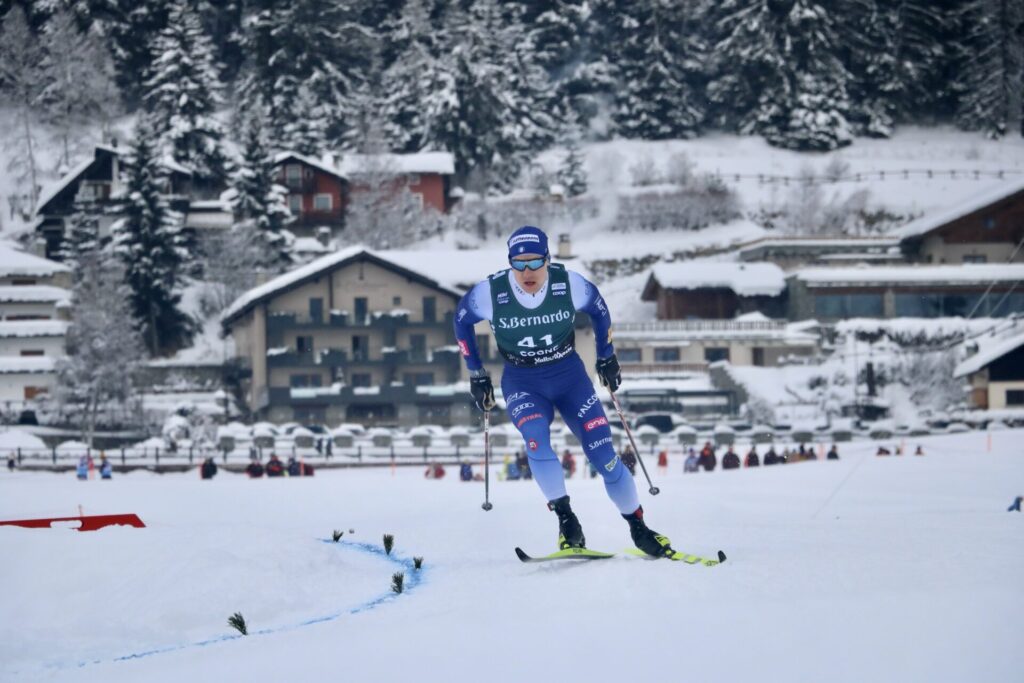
(608, 371)
(483, 392)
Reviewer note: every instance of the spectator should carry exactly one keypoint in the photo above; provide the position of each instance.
(82, 471)
(771, 457)
(208, 469)
(568, 464)
(663, 459)
(434, 471)
(524, 465)
(106, 469)
(512, 470)
(465, 472)
(294, 467)
(801, 454)
(833, 453)
(10, 462)
(809, 454)
(1015, 506)
(629, 459)
(753, 460)
(275, 468)
(785, 456)
(255, 469)
(883, 451)
(730, 461)
(329, 446)
(919, 451)
(708, 459)
(692, 463)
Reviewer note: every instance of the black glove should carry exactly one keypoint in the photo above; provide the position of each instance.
(608, 371)
(483, 392)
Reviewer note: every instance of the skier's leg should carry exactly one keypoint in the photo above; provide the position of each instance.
(583, 413)
(532, 413)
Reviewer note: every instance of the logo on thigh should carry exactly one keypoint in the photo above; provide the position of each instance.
(595, 423)
(532, 444)
(532, 416)
(612, 463)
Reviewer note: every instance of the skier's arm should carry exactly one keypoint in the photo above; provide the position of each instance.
(473, 307)
(586, 298)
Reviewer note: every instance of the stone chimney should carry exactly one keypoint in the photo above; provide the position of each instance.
(564, 246)
(38, 247)
(323, 235)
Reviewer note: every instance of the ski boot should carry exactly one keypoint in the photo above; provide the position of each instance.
(570, 533)
(646, 540)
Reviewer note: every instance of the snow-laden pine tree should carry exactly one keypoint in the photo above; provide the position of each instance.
(990, 74)
(132, 27)
(557, 29)
(776, 73)
(21, 86)
(260, 204)
(181, 93)
(305, 131)
(149, 244)
(103, 345)
(82, 238)
(660, 59)
(572, 174)
(78, 79)
(382, 213)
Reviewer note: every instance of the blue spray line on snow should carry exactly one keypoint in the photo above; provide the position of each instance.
(413, 578)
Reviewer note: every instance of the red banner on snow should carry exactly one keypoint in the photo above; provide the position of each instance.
(85, 523)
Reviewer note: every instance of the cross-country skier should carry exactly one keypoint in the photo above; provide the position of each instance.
(531, 308)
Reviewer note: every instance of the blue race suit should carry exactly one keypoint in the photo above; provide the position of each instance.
(533, 392)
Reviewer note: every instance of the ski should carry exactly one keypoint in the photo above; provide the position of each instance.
(677, 556)
(566, 554)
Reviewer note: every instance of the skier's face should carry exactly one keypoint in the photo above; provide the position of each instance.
(531, 280)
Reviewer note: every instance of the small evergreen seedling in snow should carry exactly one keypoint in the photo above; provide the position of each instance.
(389, 543)
(237, 621)
(337, 535)
(398, 581)
(417, 562)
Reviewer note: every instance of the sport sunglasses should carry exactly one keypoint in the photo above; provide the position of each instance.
(532, 264)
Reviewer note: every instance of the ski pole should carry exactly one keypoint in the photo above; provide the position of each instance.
(487, 461)
(654, 490)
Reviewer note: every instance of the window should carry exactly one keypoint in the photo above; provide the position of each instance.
(713, 354)
(413, 179)
(429, 309)
(316, 310)
(396, 301)
(298, 381)
(418, 379)
(360, 347)
(293, 175)
(989, 222)
(418, 346)
(304, 344)
(361, 379)
(310, 415)
(666, 355)
(32, 352)
(758, 356)
(848, 305)
(323, 202)
(1015, 397)
(17, 282)
(629, 355)
(975, 258)
(295, 203)
(362, 307)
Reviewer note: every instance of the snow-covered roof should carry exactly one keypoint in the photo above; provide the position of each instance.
(818, 242)
(309, 245)
(458, 268)
(991, 347)
(971, 273)
(309, 161)
(314, 269)
(746, 279)
(682, 332)
(442, 163)
(33, 328)
(16, 262)
(930, 222)
(12, 365)
(33, 294)
(56, 188)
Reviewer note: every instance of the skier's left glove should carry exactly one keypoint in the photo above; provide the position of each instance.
(483, 392)
(609, 372)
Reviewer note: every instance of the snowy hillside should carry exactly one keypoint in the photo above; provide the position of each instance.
(865, 569)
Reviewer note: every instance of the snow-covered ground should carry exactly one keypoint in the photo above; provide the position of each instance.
(879, 569)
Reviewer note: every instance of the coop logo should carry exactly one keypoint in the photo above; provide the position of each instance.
(531, 416)
(595, 423)
(516, 396)
(511, 323)
(560, 292)
(464, 347)
(587, 406)
(520, 408)
(532, 444)
(594, 445)
(502, 297)
(612, 463)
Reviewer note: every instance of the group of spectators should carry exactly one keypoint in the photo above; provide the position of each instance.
(274, 468)
(707, 459)
(86, 465)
